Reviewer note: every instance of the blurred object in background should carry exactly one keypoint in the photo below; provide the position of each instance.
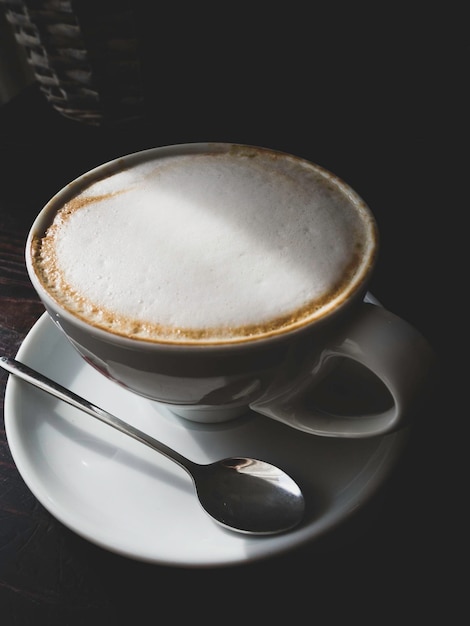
(15, 71)
(84, 55)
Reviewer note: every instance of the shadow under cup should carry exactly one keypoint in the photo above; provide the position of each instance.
(285, 372)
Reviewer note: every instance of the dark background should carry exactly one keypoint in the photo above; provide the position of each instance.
(377, 97)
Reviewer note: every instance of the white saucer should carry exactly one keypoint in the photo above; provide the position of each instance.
(128, 499)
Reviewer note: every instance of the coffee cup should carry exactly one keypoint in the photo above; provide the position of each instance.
(222, 278)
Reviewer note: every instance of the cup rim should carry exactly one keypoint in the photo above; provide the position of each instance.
(353, 290)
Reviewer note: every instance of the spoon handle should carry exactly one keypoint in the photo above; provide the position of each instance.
(46, 384)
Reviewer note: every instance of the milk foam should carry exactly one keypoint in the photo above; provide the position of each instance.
(204, 247)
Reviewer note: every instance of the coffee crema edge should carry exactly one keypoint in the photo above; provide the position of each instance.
(351, 283)
(151, 332)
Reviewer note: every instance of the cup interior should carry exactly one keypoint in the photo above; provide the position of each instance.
(202, 244)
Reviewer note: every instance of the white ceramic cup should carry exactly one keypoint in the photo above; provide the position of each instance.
(273, 361)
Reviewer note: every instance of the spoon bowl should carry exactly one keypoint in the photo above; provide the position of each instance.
(249, 495)
(243, 494)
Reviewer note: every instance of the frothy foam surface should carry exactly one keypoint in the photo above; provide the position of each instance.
(205, 246)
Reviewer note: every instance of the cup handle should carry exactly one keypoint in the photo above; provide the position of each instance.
(387, 346)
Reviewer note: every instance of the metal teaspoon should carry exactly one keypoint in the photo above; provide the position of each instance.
(243, 494)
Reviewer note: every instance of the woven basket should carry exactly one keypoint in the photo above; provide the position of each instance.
(85, 56)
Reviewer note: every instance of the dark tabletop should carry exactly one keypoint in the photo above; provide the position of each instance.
(397, 555)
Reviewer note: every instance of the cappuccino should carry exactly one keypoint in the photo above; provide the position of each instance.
(215, 244)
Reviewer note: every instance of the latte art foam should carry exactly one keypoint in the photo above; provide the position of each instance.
(206, 247)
